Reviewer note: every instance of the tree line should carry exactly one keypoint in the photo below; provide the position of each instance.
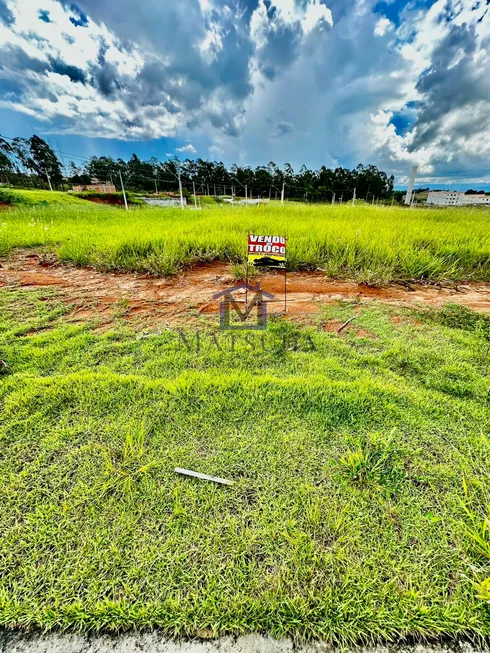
(29, 157)
(33, 162)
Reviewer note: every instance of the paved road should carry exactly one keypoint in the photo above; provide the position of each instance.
(14, 642)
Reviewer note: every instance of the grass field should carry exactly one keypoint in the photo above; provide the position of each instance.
(26, 197)
(361, 468)
(361, 505)
(372, 244)
(29, 198)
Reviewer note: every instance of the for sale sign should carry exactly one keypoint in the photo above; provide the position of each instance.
(268, 251)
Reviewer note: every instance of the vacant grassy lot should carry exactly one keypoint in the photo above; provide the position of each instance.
(17, 197)
(25, 197)
(361, 468)
(372, 244)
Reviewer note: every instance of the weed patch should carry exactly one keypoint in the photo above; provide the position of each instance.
(459, 317)
(376, 462)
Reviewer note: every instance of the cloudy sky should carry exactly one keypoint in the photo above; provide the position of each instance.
(334, 82)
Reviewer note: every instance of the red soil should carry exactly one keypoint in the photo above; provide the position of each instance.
(113, 201)
(151, 302)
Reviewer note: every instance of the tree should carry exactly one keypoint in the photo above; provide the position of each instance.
(6, 157)
(263, 180)
(78, 175)
(103, 168)
(35, 157)
(44, 161)
(22, 152)
(140, 174)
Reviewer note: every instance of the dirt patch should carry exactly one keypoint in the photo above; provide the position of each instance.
(35, 332)
(332, 326)
(112, 201)
(38, 279)
(18, 641)
(150, 302)
(365, 333)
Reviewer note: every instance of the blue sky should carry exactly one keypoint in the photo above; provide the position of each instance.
(333, 82)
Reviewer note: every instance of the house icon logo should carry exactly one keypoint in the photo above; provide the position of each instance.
(231, 306)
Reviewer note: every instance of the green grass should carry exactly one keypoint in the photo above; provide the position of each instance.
(17, 197)
(39, 198)
(371, 244)
(361, 469)
(204, 200)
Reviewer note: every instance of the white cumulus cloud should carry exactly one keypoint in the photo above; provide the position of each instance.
(382, 26)
(187, 149)
(333, 82)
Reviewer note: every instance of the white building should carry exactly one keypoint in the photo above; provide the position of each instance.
(456, 198)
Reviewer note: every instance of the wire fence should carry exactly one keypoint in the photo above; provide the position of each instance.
(232, 189)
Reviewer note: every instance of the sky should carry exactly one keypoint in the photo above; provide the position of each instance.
(314, 82)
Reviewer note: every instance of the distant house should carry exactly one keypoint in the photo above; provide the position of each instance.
(95, 188)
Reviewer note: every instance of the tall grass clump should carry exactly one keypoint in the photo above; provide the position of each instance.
(370, 244)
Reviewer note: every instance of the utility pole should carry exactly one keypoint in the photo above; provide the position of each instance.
(156, 187)
(49, 179)
(411, 181)
(246, 195)
(354, 197)
(282, 193)
(195, 198)
(333, 197)
(215, 190)
(123, 191)
(180, 190)
(373, 200)
(177, 176)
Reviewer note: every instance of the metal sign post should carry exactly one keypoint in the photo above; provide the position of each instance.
(285, 288)
(246, 282)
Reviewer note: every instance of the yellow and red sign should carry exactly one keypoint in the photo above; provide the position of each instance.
(267, 251)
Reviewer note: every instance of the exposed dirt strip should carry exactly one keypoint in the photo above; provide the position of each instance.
(154, 642)
(142, 299)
